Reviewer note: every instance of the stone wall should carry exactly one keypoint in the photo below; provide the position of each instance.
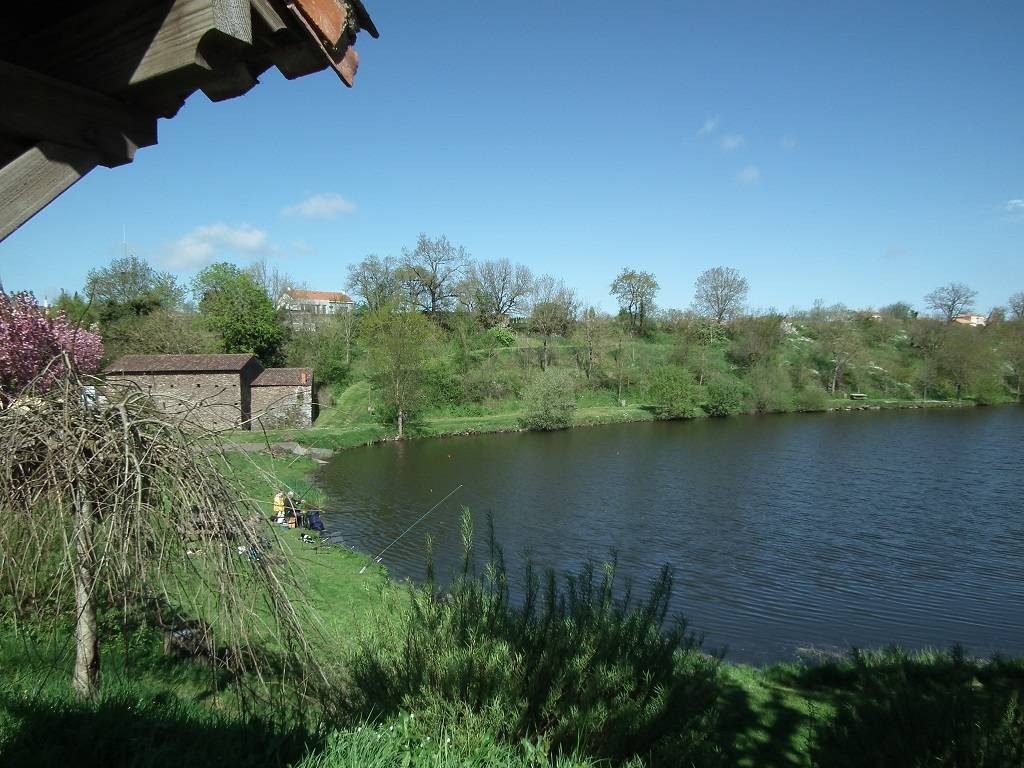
(209, 400)
(283, 406)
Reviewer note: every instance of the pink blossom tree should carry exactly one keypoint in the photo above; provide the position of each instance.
(30, 340)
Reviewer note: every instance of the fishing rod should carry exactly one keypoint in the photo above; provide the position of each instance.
(417, 521)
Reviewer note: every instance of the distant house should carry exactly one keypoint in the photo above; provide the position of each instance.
(303, 308)
(221, 391)
(969, 319)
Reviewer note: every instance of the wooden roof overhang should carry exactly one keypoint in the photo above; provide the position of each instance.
(83, 83)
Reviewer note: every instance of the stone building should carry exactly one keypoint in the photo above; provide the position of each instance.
(218, 391)
(283, 397)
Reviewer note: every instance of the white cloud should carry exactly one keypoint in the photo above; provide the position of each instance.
(203, 244)
(749, 176)
(323, 206)
(732, 142)
(709, 127)
(789, 142)
(1015, 206)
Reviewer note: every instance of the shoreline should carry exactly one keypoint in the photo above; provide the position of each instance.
(322, 442)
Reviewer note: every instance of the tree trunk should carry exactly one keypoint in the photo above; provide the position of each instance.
(400, 423)
(86, 678)
(544, 355)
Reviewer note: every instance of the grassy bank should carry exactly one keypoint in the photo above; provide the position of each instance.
(435, 684)
(348, 423)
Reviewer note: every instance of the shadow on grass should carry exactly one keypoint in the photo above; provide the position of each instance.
(126, 730)
(761, 725)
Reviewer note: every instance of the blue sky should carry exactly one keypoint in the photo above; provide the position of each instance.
(862, 153)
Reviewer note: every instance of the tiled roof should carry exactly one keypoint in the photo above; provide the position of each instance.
(176, 363)
(284, 377)
(295, 293)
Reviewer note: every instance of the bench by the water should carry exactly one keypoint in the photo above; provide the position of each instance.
(858, 396)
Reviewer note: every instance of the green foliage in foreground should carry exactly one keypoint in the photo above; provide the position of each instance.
(579, 665)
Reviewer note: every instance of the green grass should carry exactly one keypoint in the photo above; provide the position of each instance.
(881, 708)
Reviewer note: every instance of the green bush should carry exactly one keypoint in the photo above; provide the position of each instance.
(502, 336)
(443, 383)
(724, 397)
(811, 398)
(550, 401)
(770, 389)
(673, 393)
(577, 665)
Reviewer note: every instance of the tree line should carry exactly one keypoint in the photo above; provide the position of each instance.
(436, 329)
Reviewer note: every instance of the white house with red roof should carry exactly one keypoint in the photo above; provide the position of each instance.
(303, 307)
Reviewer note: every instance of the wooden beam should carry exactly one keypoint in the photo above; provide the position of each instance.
(35, 108)
(298, 60)
(116, 44)
(269, 15)
(35, 178)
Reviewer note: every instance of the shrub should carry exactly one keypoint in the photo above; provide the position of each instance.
(673, 393)
(577, 665)
(443, 383)
(550, 401)
(724, 397)
(502, 336)
(811, 398)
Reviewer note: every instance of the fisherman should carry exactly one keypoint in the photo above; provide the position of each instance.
(291, 510)
(279, 507)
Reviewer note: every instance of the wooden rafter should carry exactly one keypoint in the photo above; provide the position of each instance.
(83, 83)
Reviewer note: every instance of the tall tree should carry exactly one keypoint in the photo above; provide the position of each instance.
(593, 331)
(130, 286)
(239, 311)
(498, 289)
(398, 344)
(271, 279)
(553, 313)
(720, 293)
(431, 273)
(838, 342)
(635, 291)
(375, 281)
(1017, 305)
(951, 300)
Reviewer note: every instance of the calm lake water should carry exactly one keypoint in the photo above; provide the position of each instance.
(786, 532)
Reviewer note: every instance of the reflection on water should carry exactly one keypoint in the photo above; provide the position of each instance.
(827, 530)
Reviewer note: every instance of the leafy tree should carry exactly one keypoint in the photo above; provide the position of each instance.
(951, 300)
(497, 290)
(720, 293)
(899, 310)
(30, 340)
(1012, 349)
(549, 401)
(635, 292)
(553, 313)
(673, 393)
(327, 348)
(129, 286)
(771, 390)
(756, 339)
(591, 336)
(398, 344)
(1017, 305)
(239, 310)
(431, 273)
(838, 341)
(164, 332)
(375, 281)
(78, 310)
(966, 358)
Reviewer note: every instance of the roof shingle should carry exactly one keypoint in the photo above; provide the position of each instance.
(178, 363)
